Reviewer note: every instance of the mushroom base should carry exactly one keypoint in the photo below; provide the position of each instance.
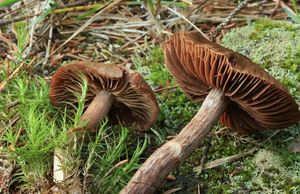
(152, 173)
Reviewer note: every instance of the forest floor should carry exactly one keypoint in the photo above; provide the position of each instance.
(37, 37)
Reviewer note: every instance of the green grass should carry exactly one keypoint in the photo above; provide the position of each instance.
(6, 3)
(31, 140)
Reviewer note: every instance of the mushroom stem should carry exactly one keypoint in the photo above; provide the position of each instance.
(97, 110)
(152, 173)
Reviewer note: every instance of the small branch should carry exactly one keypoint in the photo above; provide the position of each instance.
(49, 41)
(17, 19)
(172, 190)
(283, 5)
(225, 160)
(203, 159)
(232, 158)
(77, 8)
(215, 32)
(55, 11)
(119, 164)
(188, 21)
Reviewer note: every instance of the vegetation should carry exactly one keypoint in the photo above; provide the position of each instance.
(31, 128)
(274, 161)
(275, 45)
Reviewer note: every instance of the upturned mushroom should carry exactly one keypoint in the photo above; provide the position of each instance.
(118, 92)
(113, 91)
(236, 90)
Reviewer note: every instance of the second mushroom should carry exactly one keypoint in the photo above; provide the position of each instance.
(243, 95)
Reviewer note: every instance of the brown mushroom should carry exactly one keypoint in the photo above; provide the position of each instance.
(121, 94)
(245, 96)
(118, 92)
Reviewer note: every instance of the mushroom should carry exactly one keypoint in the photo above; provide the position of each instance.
(118, 92)
(113, 91)
(236, 90)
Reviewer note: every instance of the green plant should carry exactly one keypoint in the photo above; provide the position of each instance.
(108, 160)
(7, 3)
(31, 140)
(293, 15)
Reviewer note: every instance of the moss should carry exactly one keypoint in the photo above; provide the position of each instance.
(153, 68)
(175, 108)
(275, 45)
(263, 25)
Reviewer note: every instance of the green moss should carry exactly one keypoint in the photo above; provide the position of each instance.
(153, 68)
(275, 45)
(263, 25)
(175, 108)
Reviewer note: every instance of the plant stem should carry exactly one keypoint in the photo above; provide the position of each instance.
(97, 110)
(214, 34)
(152, 173)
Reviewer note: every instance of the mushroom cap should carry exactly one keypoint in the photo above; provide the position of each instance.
(134, 103)
(257, 100)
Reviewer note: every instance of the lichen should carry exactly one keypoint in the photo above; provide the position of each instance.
(268, 175)
(275, 45)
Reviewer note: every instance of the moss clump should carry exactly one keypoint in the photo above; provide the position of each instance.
(175, 108)
(268, 174)
(275, 45)
(153, 69)
(266, 24)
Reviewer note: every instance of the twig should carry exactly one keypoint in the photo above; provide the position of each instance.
(217, 30)
(172, 190)
(55, 11)
(232, 158)
(222, 161)
(165, 88)
(28, 5)
(284, 6)
(203, 159)
(49, 41)
(77, 8)
(119, 164)
(188, 21)
(17, 19)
